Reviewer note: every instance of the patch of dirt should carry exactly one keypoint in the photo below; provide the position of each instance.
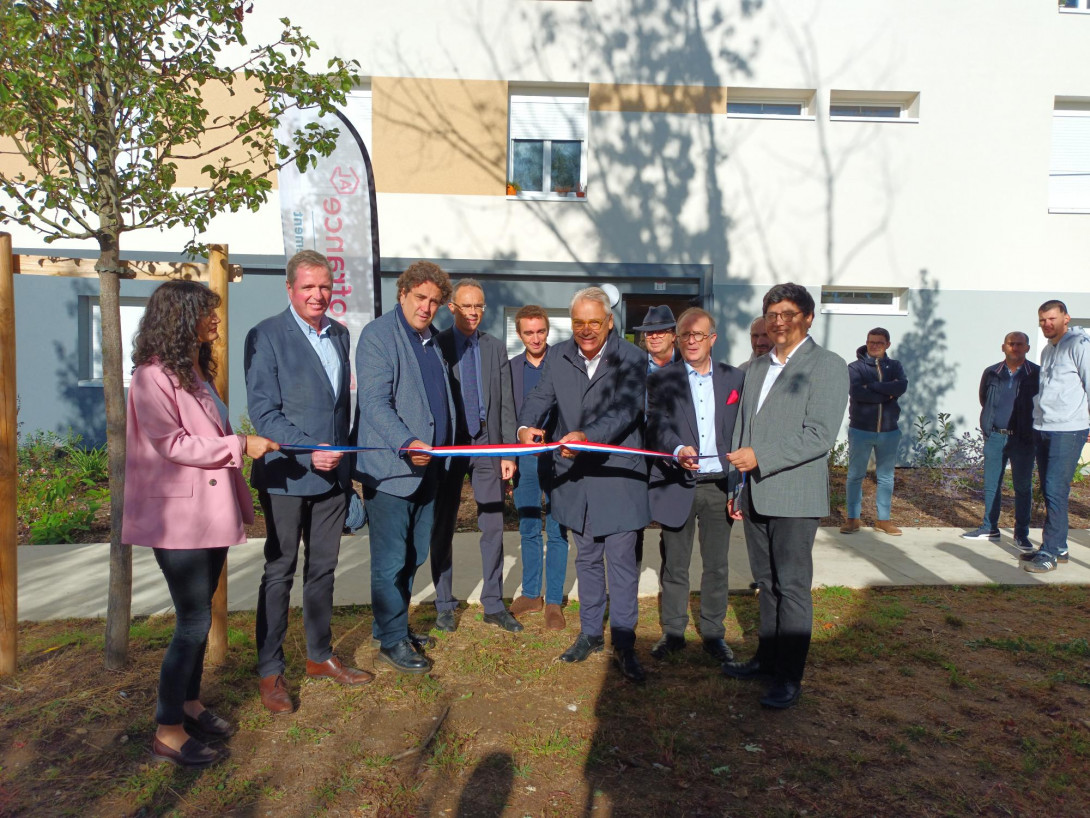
(922, 701)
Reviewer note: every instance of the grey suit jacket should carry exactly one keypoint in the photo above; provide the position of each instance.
(392, 406)
(671, 422)
(499, 399)
(290, 401)
(792, 434)
(595, 495)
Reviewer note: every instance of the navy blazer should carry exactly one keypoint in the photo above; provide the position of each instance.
(671, 422)
(518, 373)
(596, 495)
(495, 377)
(290, 401)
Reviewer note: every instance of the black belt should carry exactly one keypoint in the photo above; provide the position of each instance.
(712, 478)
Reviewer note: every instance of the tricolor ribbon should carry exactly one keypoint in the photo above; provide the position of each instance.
(499, 449)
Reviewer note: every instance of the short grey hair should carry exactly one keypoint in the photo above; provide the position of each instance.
(758, 320)
(592, 294)
(695, 314)
(465, 282)
(307, 258)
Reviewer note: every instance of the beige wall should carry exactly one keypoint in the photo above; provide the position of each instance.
(661, 99)
(439, 135)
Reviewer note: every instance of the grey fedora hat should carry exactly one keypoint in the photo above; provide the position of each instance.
(657, 318)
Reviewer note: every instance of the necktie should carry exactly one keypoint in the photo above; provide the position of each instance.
(469, 390)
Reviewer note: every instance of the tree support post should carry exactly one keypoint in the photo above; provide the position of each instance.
(218, 268)
(9, 552)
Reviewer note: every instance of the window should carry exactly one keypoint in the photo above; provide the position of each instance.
(1077, 6)
(864, 300)
(132, 310)
(769, 103)
(1069, 164)
(548, 149)
(559, 329)
(874, 106)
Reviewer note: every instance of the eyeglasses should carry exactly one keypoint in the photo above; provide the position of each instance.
(787, 316)
(595, 325)
(470, 307)
(699, 337)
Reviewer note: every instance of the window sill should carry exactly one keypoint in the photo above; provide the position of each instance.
(888, 119)
(849, 309)
(1074, 11)
(1066, 211)
(538, 196)
(799, 118)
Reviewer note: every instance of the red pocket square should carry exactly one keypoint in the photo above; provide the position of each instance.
(733, 397)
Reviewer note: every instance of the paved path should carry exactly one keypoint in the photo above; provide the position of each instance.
(58, 581)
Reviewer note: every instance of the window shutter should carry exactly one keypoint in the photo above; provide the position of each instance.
(1069, 169)
(548, 117)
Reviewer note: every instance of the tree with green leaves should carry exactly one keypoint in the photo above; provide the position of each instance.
(101, 103)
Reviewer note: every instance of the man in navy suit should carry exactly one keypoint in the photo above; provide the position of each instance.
(692, 406)
(595, 382)
(297, 390)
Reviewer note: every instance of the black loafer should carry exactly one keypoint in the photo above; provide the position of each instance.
(404, 657)
(718, 649)
(629, 665)
(193, 754)
(210, 724)
(582, 647)
(446, 622)
(669, 643)
(781, 695)
(746, 670)
(504, 620)
(421, 641)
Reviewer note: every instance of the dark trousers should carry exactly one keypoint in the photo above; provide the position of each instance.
(781, 556)
(484, 475)
(710, 510)
(192, 576)
(998, 450)
(401, 529)
(617, 553)
(319, 521)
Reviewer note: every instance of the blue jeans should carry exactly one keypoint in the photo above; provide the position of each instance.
(860, 444)
(532, 482)
(998, 450)
(1057, 456)
(400, 540)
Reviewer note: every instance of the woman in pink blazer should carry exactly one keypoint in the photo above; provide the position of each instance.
(185, 496)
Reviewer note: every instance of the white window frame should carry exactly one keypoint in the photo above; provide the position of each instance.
(559, 328)
(1069, 173)
(803, 97)
(898, 301)
(132, 310)
(1083, 7)
(523, 128)
(907, 103)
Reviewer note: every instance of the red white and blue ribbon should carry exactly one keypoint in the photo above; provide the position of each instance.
(509, 451)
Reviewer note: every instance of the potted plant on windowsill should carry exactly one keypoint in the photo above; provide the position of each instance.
(513, 188)
(562, 190)
(581, 191)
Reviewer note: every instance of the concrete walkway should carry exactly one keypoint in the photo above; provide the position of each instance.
(60, 581)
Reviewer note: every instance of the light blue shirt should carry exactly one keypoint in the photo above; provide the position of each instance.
(703, 391)
(322, 343)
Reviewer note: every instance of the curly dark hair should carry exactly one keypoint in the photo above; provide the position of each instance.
(168, 331)
(420, 272)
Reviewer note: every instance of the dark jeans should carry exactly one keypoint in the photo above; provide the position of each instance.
(1057, 457)
(192, 576)
(710, 510)
(781, 556)
(400, 537)
(531, 483)
(998, 450)
(594, 555)
(319, 521)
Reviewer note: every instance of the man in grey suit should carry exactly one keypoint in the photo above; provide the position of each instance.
(484, 413)
(792, 408)
(297, 383)
(404, 408)
(692, 406)
(595, 382)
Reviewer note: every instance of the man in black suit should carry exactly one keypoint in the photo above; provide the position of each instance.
(595, 382)
(484, 407)
(692, 406)
(297, 390)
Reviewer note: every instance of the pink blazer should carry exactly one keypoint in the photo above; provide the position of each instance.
(183, 468)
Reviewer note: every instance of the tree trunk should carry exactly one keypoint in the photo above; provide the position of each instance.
(119, 603)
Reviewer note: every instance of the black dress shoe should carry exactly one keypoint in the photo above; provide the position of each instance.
(446, 622)
(781, 695)
(669, 643)
(629, 665)
(746, 670)
(582, 647)
(504, 620)
(193, 754)
(421, 641)
(718, 650)
(210, 724)
(403, 657)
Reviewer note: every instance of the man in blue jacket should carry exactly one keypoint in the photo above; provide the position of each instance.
(1007, 390)
(877, 381)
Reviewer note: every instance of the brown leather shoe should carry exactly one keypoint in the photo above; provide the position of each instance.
(333, 668)
(274, 694)
(851, 526)
(526, 604)
(886, 527)
(554, 618)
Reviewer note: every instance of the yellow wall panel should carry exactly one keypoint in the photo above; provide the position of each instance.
(439, 136)
(660, 99)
